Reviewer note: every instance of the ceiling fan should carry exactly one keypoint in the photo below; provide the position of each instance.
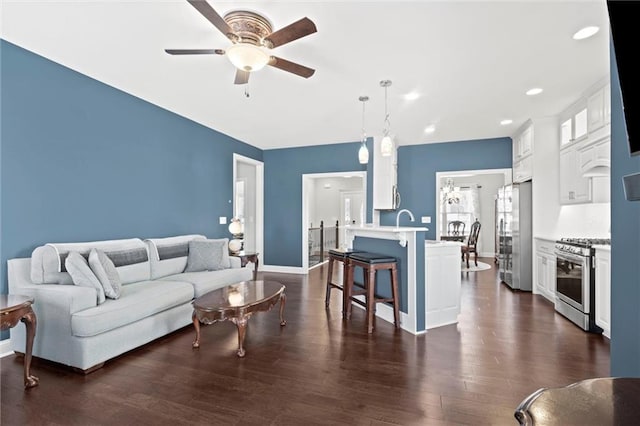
(251, 35)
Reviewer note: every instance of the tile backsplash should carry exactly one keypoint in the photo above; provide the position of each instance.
(585, 220)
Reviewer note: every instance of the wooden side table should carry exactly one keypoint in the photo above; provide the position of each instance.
(14, 308)
(246, 257)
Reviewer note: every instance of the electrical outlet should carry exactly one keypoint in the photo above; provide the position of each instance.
(426, 219)
(223, 220)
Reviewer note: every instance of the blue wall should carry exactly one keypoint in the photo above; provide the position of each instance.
(625, 245)
(83, 161)
(418, 164)
(283, 170)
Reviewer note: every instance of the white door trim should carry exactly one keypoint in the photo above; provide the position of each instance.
(440, 175)
(307, 180)
(259, 165)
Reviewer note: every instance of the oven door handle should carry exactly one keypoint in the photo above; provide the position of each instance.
(569, 256)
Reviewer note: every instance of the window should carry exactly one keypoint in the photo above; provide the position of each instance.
(462, 206)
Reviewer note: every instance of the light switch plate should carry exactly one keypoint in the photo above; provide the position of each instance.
(426, 219)
(223, 220)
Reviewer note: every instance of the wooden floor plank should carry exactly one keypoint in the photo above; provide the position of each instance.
(321, 370)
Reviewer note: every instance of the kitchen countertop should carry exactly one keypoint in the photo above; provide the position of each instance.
(603, 247)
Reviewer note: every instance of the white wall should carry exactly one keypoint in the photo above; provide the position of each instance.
(326, 201)
(545, 186)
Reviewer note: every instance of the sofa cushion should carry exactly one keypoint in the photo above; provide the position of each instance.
(206, 281)
(106, 273)
(82, 275)
(138, 300)
(208, 255)
(168, 256)
(130, 257)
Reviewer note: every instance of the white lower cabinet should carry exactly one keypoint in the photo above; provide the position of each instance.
(603, 290)
(545, 269)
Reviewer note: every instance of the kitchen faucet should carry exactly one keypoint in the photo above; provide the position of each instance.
(398, 217)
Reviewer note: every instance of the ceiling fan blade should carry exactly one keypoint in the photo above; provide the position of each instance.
(298, 29)
(212, 16)
(291, 67)
(242, 77)
(194, 51)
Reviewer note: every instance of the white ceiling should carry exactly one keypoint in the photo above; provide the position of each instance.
(470, 61)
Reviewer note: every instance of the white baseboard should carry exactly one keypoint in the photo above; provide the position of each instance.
(282, 269)
(5, 348)
(385, 312)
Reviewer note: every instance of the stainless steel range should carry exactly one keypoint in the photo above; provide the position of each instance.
(575, 280)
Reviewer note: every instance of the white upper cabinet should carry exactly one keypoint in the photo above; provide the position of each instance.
(574, 188)
(574, 125)
(585, 147)
(580, 125)
(607, 104)
(522, 150)
(385, 178)
(595, 106)
(523, 142)
(599, 106)
(566, 132)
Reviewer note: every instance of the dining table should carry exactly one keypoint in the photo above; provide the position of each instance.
(460, 238)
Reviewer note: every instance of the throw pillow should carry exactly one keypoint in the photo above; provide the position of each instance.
(208, 255)
(82, 275)
(106, 272)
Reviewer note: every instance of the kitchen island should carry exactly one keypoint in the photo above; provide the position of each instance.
(428, 274)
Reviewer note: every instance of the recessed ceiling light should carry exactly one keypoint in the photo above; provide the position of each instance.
(430, 129)
(505, 122)
(585, 32)
(534, 91)
(412, 96)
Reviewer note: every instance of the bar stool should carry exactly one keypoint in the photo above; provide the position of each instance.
(371, 263)
(338, 255)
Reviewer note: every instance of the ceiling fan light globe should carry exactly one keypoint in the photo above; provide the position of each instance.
(247, 57)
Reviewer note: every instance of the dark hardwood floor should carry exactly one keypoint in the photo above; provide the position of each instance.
(319, 370)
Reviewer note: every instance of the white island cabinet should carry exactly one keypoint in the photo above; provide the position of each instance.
(428, 274)
(443, 280)
(603, 289)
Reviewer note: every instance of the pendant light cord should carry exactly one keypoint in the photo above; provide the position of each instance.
(364, 133)
(387, 122)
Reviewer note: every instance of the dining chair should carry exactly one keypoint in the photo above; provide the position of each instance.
(472, 243)
(455, 227)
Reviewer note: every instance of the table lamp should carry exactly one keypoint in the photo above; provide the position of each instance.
(236, 228)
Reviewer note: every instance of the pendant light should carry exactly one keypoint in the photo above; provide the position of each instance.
(386, 146)
(363, 152)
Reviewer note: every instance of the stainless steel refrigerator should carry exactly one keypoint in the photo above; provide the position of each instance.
(514, 235)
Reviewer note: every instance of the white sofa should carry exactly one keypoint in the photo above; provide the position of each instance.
(74, 330)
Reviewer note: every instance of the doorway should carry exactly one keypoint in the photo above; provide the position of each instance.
(248, 201)
(330, 201)
(473, 198)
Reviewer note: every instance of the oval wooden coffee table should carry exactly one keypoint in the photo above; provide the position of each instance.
(14, 308)
(237, 303)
